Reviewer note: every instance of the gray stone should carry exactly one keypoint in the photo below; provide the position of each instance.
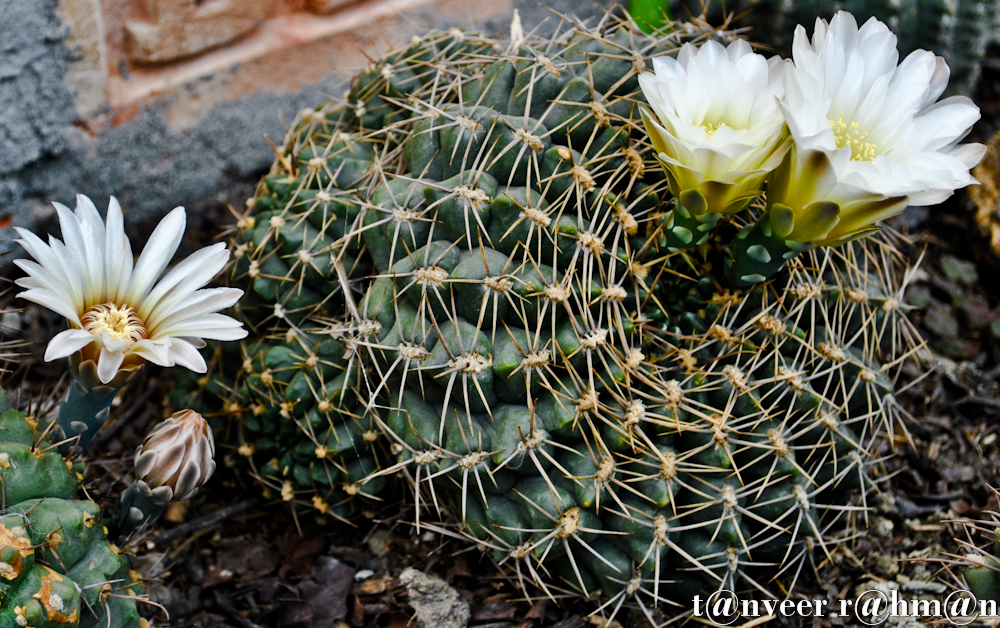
(436, 603)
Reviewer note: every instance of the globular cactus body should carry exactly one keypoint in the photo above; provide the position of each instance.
(57, 567)
(479, 290)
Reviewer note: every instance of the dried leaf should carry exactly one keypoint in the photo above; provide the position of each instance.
(240, 561)
(327, 591)
(987, 196)
(495, 611)
(299, 551)
(373, 586)
(537, 610)
(398, 620)
(959, 474)
(175, 512)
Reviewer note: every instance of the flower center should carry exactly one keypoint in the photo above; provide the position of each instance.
(122, 324)
(850, 134)
(712, 127)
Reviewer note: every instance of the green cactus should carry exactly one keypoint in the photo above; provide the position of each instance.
(980, 566)
(983, 574)
(57, 567)
(958, 30)
(482, 295)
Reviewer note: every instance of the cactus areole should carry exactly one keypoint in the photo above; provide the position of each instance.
(57, 568)
(471, 275)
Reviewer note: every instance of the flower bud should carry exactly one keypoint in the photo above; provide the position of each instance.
(176, 459)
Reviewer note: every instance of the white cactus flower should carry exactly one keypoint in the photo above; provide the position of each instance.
(870, 136)
(122, 313)
(717, 129)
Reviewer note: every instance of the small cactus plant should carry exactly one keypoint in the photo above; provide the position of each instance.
(980, 565)
(57, 567)
(467, 274)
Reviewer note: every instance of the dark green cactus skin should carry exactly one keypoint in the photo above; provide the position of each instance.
(467, 282)
(57, 567)
(982, 572)
(984, 581)
(958, 30)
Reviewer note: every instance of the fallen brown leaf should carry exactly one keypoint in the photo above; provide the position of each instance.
(373, 586)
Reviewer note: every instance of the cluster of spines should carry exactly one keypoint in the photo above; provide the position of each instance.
(494, 240)
(771, 423)
(57, 567)
(302, 226)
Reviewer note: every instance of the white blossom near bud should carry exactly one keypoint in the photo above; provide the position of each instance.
(870, 135)
(122, 312)
(176, 458)
(715, 123)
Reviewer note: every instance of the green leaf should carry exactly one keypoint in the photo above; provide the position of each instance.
(650, 14)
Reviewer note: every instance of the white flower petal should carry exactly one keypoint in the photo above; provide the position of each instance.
(155, 352)
(44, 281)
(112, 344)
(47, 299)
(848, 96)
(210, 326)
(156, 255)
(194, 272)
(118, 253)
(717, 118)
(92, 228)
(94, 266)
(197, 343)
(969, 154)
(30, 283)
(200, 302)
(66, 343)
(108, 364)
(77, 246)
(72, 272)
(187, 356)
(49, 259)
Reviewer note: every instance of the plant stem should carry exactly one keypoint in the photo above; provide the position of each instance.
(82, 414)
(134, 511)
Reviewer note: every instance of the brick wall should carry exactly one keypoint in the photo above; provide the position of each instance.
(168, 102)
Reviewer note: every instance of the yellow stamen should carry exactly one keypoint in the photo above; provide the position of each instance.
(850, 134)
(122, 324)
(712, 127)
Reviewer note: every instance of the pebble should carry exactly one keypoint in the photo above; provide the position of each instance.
(437, 604)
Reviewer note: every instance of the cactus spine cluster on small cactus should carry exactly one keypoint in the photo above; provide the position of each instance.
(57, 566)
(465, 275)
(980, 566)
